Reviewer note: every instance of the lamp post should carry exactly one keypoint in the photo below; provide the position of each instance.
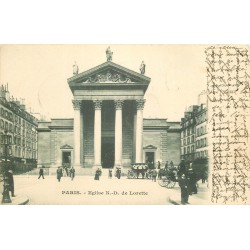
(6, 154)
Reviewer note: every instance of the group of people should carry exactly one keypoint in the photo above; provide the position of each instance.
(118, 173)
(59, 172)
(70, 173)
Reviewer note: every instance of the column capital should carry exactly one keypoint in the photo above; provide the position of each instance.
(140, 104)
(118, 104)
(97, 104)
(76, 104)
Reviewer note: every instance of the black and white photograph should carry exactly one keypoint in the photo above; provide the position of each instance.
(124, 124)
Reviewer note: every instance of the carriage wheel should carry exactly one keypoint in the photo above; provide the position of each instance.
(161, 183)
(168, 182)
(171, 184)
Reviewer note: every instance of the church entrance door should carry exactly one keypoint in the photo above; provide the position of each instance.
(108, 154)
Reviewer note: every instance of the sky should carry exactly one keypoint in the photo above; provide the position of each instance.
(39, 73)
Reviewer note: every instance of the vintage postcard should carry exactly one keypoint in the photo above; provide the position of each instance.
(124, 124)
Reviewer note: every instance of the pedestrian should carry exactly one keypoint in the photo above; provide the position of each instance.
(192, 188)
(158, 165)
(110, 173)
(166, 166)
(182, 168)
(72, 173)
(118, 173)
(98, 173)
(10, 180)
(171, 164)
(204, 176)
(41, 172)
(59, 174)
(183, 183)
(66, 171)
(154, 175)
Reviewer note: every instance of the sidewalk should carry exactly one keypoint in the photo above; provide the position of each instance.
(18, 200)
(195, 199)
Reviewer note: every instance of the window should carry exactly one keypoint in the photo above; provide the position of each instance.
(188, 140)
(6, 126)
(192, 140)
(192, 130)
(192, 149)
(188, 150)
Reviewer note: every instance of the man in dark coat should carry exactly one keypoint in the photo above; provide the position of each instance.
(183, 183)
(191, 180)
(110, 173)
(59, 174)
(98, 173)
(182, 168)
(72, 173)
(154, 175)
(41, 172)
(118, 173)
(10, 179)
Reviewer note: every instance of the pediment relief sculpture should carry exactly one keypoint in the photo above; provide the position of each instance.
(108, 77)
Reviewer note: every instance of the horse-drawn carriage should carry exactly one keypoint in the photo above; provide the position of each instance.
(139, 170)
(167, 178)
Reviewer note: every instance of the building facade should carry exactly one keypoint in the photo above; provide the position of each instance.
(108, 129)
(188, 134)
(201, 133)
(21, 128)
(194, 139)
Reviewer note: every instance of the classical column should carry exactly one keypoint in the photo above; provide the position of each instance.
(139, 130)
(77, 127)
(118, 133)
(81, 135)
(97, 133)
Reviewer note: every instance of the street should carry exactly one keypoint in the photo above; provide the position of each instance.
(85, 190)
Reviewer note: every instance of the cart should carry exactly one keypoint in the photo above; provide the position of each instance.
(138, 170)
(168, 179)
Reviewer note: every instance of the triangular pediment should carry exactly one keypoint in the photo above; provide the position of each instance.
(150, 147)
(66, 146)
(109, 72)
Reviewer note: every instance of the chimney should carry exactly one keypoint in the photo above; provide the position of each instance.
(22, 105)
(2, 92)
(7, 93)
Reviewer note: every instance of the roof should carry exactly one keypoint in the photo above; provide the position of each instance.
(108, 76)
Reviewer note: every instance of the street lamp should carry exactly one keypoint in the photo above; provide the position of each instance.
(5, 141)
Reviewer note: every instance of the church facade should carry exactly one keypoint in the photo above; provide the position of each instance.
(108, 129)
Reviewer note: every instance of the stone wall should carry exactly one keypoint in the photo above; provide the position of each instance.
(174, 147)
(43, 146)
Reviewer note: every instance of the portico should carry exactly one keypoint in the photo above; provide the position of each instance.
(108, 116)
